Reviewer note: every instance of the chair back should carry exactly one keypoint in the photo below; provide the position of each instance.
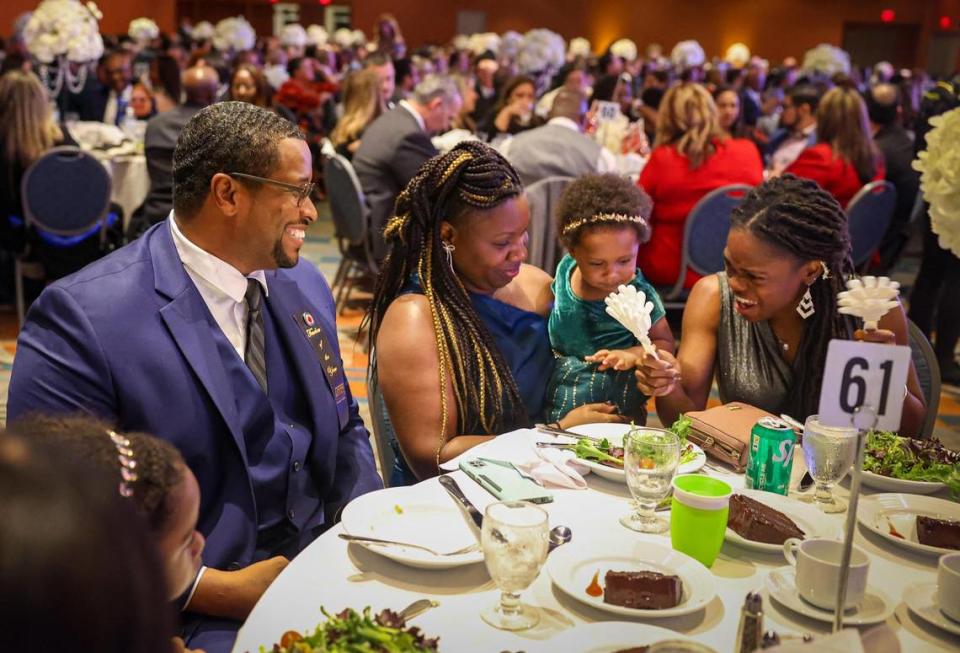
(347, 203)
(928, 373)
(868, 215)
(544, 245)
(383, 431)
(705, 233)
(66, 192)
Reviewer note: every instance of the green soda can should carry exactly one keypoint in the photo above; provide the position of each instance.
(771, 456)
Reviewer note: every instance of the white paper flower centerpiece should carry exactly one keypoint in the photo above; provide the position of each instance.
(826, 59)
(578, 47)
(317, 34)
(869, 298)
(939, 167)
(630, 307)
(294, 36)
(624, 48)
(688, 54)
(234, 34)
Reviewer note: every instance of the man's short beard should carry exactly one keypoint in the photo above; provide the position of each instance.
(280, 257)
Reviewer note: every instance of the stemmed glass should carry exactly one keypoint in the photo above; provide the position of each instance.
(650, 460)
(514, 540)
(829, 453)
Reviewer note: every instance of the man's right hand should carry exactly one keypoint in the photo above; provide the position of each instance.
(657, 377)
(233, 594)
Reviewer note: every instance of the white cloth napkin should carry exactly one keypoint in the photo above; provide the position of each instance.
(556, 468)
(881, 639)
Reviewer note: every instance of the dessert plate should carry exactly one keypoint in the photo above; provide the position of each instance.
(885, 513)
(572, 568)
(890, 484)
(615, 433)
(921, 598)
(876, 606)
(811, 521)
(409, 514)
(607, 637)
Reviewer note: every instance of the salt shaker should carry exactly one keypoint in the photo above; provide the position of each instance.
(750, 630)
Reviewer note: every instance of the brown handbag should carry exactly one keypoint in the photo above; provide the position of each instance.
(723, 432)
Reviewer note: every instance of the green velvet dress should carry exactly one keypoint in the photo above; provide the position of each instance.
(580, 328)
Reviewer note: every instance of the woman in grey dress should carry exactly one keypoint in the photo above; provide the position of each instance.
(764, 324)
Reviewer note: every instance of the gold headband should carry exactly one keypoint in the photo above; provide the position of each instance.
(601, 218)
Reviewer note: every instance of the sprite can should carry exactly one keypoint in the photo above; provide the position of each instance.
(771, 456)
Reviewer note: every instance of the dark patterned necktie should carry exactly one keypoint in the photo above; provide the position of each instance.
(254, 354)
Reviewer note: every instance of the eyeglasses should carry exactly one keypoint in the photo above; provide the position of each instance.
(302, 192)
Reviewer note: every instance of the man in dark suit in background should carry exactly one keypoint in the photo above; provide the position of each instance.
(106, 96)
(397, 143)
(883, 105)
(163, 130)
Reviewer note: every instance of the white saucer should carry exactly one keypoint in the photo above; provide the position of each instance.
(876, 606)
(615, 433)
(606, 637)
(921, 598)
(807, 517)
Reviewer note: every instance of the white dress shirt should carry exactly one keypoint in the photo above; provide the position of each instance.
(110, 110)
(221, 285)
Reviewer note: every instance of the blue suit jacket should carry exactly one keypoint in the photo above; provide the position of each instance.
(128, 338)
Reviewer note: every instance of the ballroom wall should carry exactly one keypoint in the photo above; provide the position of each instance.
(772, 28)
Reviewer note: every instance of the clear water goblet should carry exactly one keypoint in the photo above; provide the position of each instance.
(650, 460)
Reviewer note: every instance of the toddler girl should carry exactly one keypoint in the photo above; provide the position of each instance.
(602, 221)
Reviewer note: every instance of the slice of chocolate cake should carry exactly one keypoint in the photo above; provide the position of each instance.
(642, 590)
(757, 522)
(943, 533)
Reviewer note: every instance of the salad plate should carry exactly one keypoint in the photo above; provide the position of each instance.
(921, 598)
(573, 567)
(692, 458)
(807, 517)
(894, 518)
(876, 605)
(607, 637)
(897, 464)
(890, 484)
(408, 514)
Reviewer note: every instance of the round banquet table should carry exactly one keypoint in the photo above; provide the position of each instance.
(334, 574)
(131, 181)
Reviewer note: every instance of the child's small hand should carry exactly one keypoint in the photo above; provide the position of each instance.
(616, 359)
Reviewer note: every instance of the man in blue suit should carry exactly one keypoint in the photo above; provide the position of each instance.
(210, 333)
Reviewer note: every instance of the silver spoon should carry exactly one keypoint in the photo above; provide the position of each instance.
(417, 607)
(559, 535)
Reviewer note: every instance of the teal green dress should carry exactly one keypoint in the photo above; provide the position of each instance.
(579, 328)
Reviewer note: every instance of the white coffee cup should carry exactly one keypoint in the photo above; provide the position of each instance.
(948, 585)
(817, 563)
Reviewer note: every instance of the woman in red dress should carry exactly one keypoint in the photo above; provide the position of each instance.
(691, 157)
(845, 156)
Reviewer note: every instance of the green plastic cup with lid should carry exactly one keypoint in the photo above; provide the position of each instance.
(698, 516)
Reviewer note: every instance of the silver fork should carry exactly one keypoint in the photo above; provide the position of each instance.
(376, 540)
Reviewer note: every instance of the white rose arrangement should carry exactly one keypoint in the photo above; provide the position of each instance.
(481, 42)
(202, 31)
(64, 29)
(293, 35)
(737, 55)
(318, 35)
(343, 37)
(939, 167)
(234, 34)
(624, 48)
(143, 30)
(827, 60)
(687, 54)
(541, 50)
(461, 42)
(358, 38)
(578, 47)
(510, 44)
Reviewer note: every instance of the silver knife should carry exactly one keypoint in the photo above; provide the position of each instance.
(454, 490)
(544, 428)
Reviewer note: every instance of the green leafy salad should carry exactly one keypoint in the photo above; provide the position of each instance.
(353, 632)
(889, 454)
(606, 453)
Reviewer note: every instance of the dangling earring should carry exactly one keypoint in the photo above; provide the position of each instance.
(448, 248)
(805, 308)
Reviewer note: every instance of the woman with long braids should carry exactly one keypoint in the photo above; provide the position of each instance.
(459, 322)
(763, 325)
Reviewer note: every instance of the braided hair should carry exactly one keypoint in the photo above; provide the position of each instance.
(160, 467)
(471, 177)
(799, 217)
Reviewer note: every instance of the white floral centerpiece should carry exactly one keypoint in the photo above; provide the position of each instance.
(624, 48)
(827, 60)
(737, 55)
(234, 34)
(687, 54)
(510, 44)
(143, 30)
(358, 38)
(542, 53)
(482, 42)
(203, 31)
(578, 47)
(939, 167)
(317, 34)
(61, 32)
(293, 36)
(461, 42)
(343, 37)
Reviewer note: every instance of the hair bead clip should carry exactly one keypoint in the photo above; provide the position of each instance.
(128, 463)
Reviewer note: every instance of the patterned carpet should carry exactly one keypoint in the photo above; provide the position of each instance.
(321, 249)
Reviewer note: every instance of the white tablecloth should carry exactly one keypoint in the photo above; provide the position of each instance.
(336, 575)
(131, 182)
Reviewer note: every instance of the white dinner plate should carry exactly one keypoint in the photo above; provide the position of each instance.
(921, 598)
(890, 484)
(607, 637)
(408, 514)
(615, 433)
(811, 521)
(875, 607)
(572, 568)
(879, 511)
